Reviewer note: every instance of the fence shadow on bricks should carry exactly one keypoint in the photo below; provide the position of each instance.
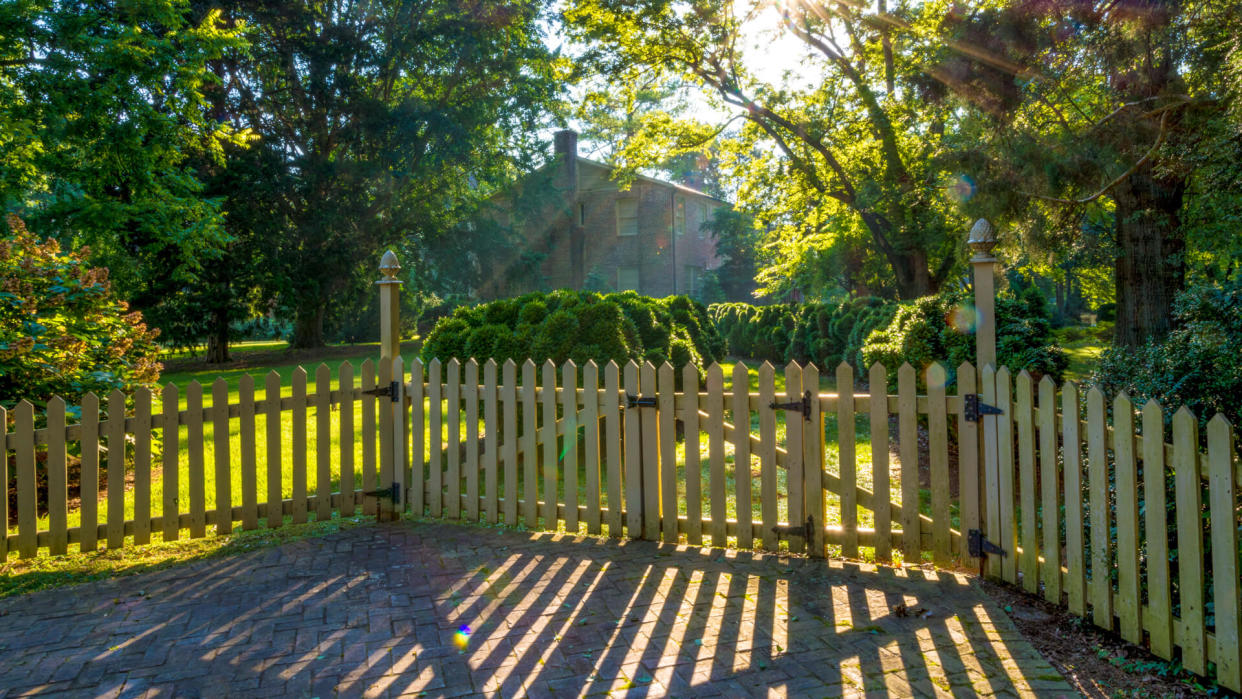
(437, 609)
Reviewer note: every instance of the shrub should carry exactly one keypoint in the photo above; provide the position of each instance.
(941, 329)
(581, 326)
(825, 333)
(1198, 365)
(62, 332)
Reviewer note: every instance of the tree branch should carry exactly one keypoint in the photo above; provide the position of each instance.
(1117, 180)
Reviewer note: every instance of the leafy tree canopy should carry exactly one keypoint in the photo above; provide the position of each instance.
(102, 110)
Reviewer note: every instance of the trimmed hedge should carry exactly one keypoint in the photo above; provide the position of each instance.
(824, 333)
(941, 328)
(579, 325)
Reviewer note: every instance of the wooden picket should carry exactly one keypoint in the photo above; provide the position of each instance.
(1158, 620)
(1024, 416)
(470, 393)
(89, 478)
(848, 462)
(510, 435)
(116, 470)
(629, 454)
(741, 456)
(694, 471)
(1049, 482)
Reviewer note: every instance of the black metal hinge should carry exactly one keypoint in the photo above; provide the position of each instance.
(975, 408)
(391, 493)
(392, 390)
(806, 530)
(803, 406)
(633, 401)
(979, 546)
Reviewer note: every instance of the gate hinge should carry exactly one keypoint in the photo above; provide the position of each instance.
(803, 406)
(391, 493)
(392, 390)
(806, 530)
(979, 546)
(974, 408)
(633, 401)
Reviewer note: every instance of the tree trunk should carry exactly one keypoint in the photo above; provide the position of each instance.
(308, 327)
(218, 339)
(1151, 268)
(913, 278)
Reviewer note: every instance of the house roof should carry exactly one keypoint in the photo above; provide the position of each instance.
(679, 187)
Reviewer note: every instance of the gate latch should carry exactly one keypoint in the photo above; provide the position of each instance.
(803, 406)
(391, 493)
(975, 408)
(805, 530)
(979, 546)
(392, 390)
(633, 401)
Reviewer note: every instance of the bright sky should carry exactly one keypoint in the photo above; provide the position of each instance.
(770, 53)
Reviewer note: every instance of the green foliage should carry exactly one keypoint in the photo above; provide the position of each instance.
(62, 331)
(105, 126)
(824, 333)
(941, 329)
(1196, 366)
(385, 124)
(581, 326)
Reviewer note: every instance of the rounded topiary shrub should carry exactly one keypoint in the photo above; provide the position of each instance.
(581, 326)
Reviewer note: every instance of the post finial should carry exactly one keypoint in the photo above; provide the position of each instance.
(982, 237)
(389, 266)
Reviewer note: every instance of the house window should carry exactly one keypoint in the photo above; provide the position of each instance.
(627, 217)
(705, 214)
(582, 214)
(693, 278)
(679, 216)
(627, 278)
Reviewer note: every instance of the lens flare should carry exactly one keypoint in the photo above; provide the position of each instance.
(961, 188)
(461, 639)
(963, 318)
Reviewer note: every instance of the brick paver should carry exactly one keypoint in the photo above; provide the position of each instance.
(443, 610)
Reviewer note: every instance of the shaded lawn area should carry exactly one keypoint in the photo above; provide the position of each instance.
(1083, 345)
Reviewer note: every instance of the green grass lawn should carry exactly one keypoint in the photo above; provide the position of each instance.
(1083, 345)
(334, 359)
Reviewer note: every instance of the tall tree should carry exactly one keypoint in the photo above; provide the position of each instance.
(384, 119)
(1100, 107)
(857, 142)
(103, 119)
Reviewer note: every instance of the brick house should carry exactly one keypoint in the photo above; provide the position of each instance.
(578, 229)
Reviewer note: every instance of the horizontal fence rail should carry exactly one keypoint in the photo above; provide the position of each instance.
(1094, 509)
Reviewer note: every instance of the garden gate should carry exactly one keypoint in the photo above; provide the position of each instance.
(1030, 478)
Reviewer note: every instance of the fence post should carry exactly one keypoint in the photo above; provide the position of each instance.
(392, 444)
(982, 240)
(390, 306)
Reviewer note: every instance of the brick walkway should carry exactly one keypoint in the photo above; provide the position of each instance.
(443, 610)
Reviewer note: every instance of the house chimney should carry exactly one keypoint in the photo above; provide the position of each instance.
(566, 141)
(565, 144)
